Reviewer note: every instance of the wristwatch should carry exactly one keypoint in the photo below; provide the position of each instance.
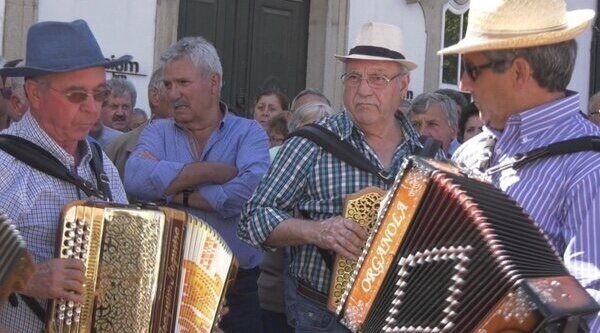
(186, 197)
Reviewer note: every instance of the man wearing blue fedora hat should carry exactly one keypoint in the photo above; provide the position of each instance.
(65, 83)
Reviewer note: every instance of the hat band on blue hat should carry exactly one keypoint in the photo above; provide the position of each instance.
(376, 51)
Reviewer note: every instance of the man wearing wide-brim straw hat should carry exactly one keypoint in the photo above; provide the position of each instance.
(304, 177)
(64, 74)
(518, 57)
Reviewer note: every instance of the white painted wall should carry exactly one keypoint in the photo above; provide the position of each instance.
(121, 27)
(409, 18)
(581, 76)
(2, 20)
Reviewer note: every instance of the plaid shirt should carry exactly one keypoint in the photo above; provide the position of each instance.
(33, 201)
(305, 177)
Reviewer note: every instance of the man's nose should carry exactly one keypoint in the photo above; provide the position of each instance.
(364, 88)
(465, 83)
(173, 94)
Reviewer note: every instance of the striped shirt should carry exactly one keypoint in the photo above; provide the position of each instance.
(305, 177)
(561, 193)
(33, 201)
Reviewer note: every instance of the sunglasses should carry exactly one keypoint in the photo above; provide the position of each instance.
(474, 71)
(77, 96)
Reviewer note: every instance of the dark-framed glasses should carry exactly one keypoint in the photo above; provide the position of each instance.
(473, 71)
(77, 96)
(375, 81)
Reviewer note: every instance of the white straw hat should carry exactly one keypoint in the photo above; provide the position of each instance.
(379, 41)
(510, 24)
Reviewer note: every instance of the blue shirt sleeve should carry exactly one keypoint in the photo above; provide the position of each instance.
(147, 178)
(252, 162)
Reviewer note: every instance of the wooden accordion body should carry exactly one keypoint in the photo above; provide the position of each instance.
(148, 269)
(453, 254)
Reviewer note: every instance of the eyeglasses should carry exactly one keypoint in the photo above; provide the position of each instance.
(77, 96)
(375, 81)
(474, 71)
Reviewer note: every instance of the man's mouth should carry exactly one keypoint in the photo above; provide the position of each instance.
(119, 119)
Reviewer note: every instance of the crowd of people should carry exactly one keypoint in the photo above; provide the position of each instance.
(277, 199)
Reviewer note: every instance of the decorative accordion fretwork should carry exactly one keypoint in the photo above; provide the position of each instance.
(460, 256)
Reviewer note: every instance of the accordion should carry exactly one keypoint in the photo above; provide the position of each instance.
(16, 264)
(449, 253)
(148, 269)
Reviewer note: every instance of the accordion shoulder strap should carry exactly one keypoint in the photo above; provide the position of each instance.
(585, 143)
(41, 160)
(339, 148)
(97, 165)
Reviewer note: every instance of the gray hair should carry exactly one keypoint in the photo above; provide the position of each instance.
(308, 112)
(156, 81)
(17, 83)
(552, 64)
(456, 95)
(140, 112)
(309, 91)
(118, 87)
(202, 53)
(594, 103)
(423, 102)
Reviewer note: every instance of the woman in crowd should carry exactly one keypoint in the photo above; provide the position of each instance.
(469, 123)
(267, 104)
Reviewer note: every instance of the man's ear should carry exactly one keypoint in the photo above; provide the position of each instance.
(153, 97)
(215, 83)
(405, 83)
(32, 89)
(522, 71)
(15, 102)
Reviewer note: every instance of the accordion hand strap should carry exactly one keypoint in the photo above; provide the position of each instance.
(41, 160)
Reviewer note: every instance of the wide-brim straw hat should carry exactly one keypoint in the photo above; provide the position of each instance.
(60, 47)
(513, 24)
(379, 41)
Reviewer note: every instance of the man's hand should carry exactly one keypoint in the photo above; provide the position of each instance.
(195, 200)
(58, 278)
(341, 235)
(224, 311)
(146, 155)
(198, 173)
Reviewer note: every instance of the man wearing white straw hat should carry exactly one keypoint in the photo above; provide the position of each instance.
(306, 178)
(518, 59)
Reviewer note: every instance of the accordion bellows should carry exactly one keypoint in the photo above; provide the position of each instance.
(16, 264)
(148, 269)
(453, 254)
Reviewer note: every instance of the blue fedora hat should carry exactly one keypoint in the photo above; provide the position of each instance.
(59, 47)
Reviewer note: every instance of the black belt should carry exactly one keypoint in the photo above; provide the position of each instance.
(242, 272)
(307, 291)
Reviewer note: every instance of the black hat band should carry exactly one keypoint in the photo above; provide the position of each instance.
(376, 51)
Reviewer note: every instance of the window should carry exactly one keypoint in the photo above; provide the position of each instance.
(455, 18)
